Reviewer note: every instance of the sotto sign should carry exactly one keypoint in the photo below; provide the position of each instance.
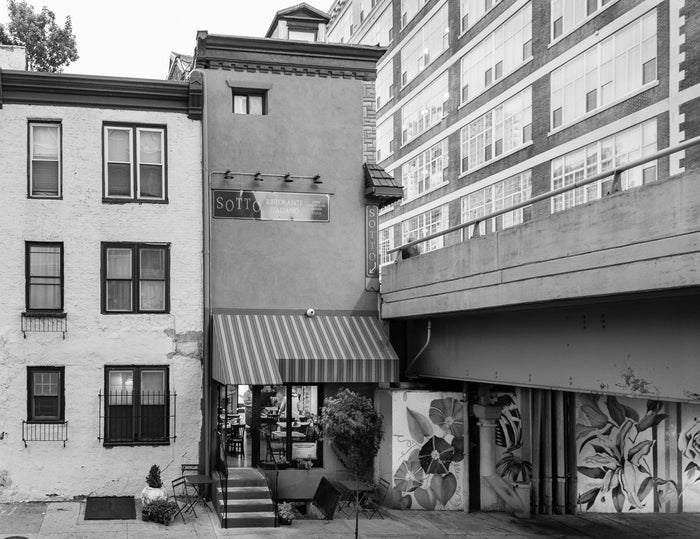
(270, 206)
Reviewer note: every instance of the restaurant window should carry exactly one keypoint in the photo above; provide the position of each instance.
(45, 394)
(289, 432)
(44, 276)
(136, 406)
(253, 102)
(44, 160)
(135, 278)
(134, 163)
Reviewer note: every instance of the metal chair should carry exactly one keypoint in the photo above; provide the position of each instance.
(184, 497)
(187, 469)
(375, 500)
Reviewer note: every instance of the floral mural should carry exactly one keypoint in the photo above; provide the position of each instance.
(431, 450)
(628, 458)
(509, 436)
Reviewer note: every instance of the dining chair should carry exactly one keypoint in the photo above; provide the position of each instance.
(181, 495)
(376, 499)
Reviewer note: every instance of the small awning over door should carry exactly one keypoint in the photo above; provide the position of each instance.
(275, 348)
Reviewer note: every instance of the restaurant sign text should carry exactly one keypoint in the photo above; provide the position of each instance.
(271, 206)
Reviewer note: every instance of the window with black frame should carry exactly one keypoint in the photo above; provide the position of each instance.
(289, 425)
(136, 405)
(46, 397)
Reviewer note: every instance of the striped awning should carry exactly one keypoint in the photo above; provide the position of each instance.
(281, 348)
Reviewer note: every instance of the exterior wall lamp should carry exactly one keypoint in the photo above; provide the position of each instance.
(258, 176)
(317, 179)
(288, 178)
(228, 175)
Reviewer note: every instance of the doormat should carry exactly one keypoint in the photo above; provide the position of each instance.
(110, 508)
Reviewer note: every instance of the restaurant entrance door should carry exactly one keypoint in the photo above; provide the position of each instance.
(234, 419)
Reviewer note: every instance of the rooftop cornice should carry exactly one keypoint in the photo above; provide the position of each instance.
(235, 52)
(39, 88)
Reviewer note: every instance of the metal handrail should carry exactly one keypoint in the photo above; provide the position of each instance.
(615, 173)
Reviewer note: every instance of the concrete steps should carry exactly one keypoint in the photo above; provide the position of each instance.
(248, 503)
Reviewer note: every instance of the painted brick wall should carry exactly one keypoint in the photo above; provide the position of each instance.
(81, 221)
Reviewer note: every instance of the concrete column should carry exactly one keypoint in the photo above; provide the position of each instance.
(487, 416)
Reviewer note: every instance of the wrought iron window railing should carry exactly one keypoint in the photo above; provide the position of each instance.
(44, 322)
(45, 432)
(145, 418)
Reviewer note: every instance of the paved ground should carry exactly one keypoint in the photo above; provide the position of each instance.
(63, 520)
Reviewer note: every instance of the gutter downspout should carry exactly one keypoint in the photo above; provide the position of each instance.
(420, 352)
(206, 349)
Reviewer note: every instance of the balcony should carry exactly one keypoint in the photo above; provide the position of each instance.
(645, 240)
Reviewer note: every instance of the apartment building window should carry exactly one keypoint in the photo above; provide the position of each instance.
(385, 84)
(386, 243)
(471, 11)
(45, 394)
(136, 405)
(423, 225)
(568, 14)
(385, 139)
(45, 159)
(499, 131)
(253, 102)
(425, 110)
(603, 155)
(342, 29)
(134, 163)
(496, 197)
(44, 276)
(425, 46)
(426, 171)
(497, 55)
(409, 9)
(135, 278)
(382, 30)
(612, 70)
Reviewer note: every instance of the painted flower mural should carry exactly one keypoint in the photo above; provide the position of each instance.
(509, 435)
(616, 445)
(426, 474)
(689, 446)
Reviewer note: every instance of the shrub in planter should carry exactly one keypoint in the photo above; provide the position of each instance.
(154, 491)
(285, 512)
(160, 511)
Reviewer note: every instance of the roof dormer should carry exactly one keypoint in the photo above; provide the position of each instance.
(301, 22)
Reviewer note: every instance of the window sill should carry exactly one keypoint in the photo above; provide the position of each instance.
(107, 200)
(495, 83)
(492, 161)
(131, 313)
(592, 113)
(44, 314)
(45, 197)
(585, 21)
(135, 444)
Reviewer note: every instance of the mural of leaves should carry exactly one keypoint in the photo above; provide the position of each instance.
(419, 427)
(426, 498)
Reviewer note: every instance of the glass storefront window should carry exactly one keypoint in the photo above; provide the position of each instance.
(288, 418)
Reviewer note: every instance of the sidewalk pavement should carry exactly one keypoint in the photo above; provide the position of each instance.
(62, 520)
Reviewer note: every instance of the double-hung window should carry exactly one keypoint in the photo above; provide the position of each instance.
(45, 394)
(44, 276)
(425, 110)
(252, 102)
(472, 11)
(386, 243)
(45, 159)
(569, 14)
(136, 405)
(134, 163)
(135, 278)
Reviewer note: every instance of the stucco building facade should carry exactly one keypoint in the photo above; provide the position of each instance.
(101, 312)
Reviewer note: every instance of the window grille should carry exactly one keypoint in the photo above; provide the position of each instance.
(146, 418)
(38, 322)
(45, 432)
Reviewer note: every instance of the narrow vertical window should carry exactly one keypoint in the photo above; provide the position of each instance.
(45, 395)
(44, 160)
(44, 279)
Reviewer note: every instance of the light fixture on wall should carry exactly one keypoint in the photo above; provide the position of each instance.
(258, 176)
(317, 179)
(228, 175)
(288, 178)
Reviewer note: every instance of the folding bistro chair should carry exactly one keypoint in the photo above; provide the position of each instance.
(375, 500)
(187, 469)
(184, 498)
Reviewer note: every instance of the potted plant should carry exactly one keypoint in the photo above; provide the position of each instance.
(285, 512)
(160, 511)
(154, 489)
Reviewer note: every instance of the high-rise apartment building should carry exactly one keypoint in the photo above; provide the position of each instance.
(570, 319)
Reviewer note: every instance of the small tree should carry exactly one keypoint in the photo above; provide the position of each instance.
(49, 46)
(354, 429)
(153, 478)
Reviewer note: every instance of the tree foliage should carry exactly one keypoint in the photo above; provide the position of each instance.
(354, 428)
(49, 46)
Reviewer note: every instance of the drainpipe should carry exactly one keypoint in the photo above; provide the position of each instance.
(206, 330)
(420, 352)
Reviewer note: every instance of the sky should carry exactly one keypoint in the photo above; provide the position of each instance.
(135, 38)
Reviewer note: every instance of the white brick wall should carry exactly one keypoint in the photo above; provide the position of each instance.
(12, 57)
(81, 221)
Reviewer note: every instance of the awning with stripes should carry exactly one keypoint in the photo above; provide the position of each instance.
(284, 348)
